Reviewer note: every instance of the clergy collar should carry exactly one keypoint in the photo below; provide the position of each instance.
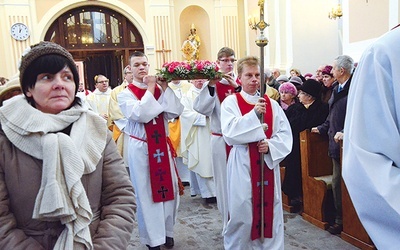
(250, 98)
(140, 84)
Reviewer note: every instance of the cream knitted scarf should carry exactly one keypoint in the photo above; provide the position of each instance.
(62, 196)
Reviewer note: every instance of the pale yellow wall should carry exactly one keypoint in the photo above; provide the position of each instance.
(300, 34)
(42, 6)
(221, 17)
(315, 36)
(10, 49)
(368, 20)
(40, 14)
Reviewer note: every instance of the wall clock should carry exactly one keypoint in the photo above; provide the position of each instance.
(19, 31)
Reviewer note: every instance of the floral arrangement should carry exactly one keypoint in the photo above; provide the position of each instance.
(189, 70)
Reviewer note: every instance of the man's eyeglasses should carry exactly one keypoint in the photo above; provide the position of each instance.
(228, 60)
(105, 81)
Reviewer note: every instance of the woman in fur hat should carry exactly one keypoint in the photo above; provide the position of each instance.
(63, 184)
(305, 114)
(288, 95)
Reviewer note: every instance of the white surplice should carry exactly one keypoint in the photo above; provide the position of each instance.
(238, 131)
(195, 146)
(209, 105)
(371, 152)
(155, 220)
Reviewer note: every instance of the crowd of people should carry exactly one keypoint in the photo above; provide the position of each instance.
(92, 162)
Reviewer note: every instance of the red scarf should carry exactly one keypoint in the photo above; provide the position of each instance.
(159, 165)
(255, 172)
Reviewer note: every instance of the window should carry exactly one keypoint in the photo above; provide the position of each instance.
(94, 27)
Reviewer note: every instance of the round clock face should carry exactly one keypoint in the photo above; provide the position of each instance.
(19, 31)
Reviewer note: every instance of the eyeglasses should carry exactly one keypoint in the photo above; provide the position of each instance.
(228, 60)
(105, 81)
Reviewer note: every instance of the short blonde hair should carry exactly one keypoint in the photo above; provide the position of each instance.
(249, 61)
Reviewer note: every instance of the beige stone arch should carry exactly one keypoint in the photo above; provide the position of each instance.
(57, 10)
(131, 15)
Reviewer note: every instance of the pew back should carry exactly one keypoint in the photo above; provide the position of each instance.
(316, 166)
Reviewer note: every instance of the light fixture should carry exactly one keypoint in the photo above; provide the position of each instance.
(253, 21)
(336, 12)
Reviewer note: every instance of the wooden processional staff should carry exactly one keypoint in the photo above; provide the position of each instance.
(261, 42)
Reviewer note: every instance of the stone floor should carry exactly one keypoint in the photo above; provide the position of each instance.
(199, 227)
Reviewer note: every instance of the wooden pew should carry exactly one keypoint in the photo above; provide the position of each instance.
(353, 231)
(285, 199)
(316, 168)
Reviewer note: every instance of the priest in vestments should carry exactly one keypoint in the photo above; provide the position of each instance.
(99, 99)
(195, 144)
(116, 120)
(242, 129)
(180, 88)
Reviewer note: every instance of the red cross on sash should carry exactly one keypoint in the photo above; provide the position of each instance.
(223, 90)
(255, 173)
(159, 165)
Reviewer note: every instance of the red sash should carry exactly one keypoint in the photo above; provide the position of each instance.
(159, 165)
(255, 172)
(223, 90)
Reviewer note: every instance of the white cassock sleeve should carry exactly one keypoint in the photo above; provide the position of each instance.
(205, 103)
(238, 129)
(371, 152)
(148, 107)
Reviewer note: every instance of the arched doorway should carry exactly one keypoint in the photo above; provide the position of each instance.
(98, 38)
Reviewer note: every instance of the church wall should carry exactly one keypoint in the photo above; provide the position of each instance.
(199, 18)
(300, 35)
(358, 35)
(10, 49)
(218, 24)
(314, 36)
(42, 6)
(367, 16)
(38, 21)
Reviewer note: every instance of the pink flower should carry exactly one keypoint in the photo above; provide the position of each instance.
(199, 66)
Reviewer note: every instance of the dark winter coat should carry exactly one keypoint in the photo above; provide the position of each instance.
(300, 118)
(335, 121)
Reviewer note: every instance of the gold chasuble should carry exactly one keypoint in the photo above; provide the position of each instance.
(255, 172)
